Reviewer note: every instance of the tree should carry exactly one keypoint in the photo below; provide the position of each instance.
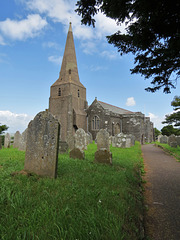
(3, 128)
(168, 130)
(152, 35)
(156, 132)
(174, 118)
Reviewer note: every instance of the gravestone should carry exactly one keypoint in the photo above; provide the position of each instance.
(77, 153)
(17, 139)
(63, 147)
(22, 145)
(89, 138)
(178, 140)
(123, 140)
(80, 144)
(102, 140)
(0, 142)
(172, 138)
(42, 145)
(7, 141)
(103, 154)
(173, 144)
(163, 139)
(80, 140)
(70, 142)
(159, 137)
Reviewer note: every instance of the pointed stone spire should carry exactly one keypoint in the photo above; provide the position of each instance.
(69, 70)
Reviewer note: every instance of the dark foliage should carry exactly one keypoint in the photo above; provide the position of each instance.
(174, 118)
(3, 128)
(152, 35)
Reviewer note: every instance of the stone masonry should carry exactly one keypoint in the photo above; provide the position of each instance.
(42, 145)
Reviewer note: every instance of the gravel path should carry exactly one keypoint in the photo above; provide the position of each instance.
(162, 194)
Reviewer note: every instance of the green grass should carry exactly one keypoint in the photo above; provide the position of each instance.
(173, 151)
(86, 201)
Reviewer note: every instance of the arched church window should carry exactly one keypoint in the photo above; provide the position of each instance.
(78, 93)
(59, 92)
(96, 123)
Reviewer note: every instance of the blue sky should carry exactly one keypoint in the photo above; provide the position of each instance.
(32, 41)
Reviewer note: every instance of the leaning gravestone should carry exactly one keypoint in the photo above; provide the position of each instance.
(42, 145)
(103, 154)
(22, 145)
(7, 141)
(17, 139)
(0, 142)
(163, 139)
(172, 138)
(89, 138)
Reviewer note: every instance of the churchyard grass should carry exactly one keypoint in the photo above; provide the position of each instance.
(86, 201)
(173, 151)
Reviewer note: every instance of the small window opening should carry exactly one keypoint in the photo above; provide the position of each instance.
(59, 92)
(69, 71)
(78, 93)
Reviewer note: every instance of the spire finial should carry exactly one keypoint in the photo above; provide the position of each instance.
(70, 27)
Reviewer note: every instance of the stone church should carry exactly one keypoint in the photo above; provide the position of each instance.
(68, 103)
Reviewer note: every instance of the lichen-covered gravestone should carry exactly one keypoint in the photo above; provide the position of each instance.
(103, 154)
(172, 138)
(22, 145)
(17, 139)
(123, 140)
(7, 140)
(163, 139)
(42, 145)
(80, 139)
(80, 143)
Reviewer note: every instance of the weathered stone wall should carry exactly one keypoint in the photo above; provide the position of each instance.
(42, 145)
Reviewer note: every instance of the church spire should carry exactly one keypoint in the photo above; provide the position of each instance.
(69, 70)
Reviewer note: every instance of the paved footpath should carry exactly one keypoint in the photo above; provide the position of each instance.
(162, 194)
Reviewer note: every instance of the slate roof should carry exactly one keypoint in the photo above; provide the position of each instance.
(114, 109)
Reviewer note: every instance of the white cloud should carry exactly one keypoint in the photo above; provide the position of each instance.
(107, 26)
(23, 29)
(130, 102)
(157, 120)
(15, 121)
(109, 54)
(2, 41)
(55, 59)
(51, 45)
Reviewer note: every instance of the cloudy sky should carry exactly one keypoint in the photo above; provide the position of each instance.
(32, 41)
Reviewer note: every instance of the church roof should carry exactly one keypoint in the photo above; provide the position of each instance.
(114, 109)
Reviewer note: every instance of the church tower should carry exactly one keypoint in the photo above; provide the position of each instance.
(68, 96)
